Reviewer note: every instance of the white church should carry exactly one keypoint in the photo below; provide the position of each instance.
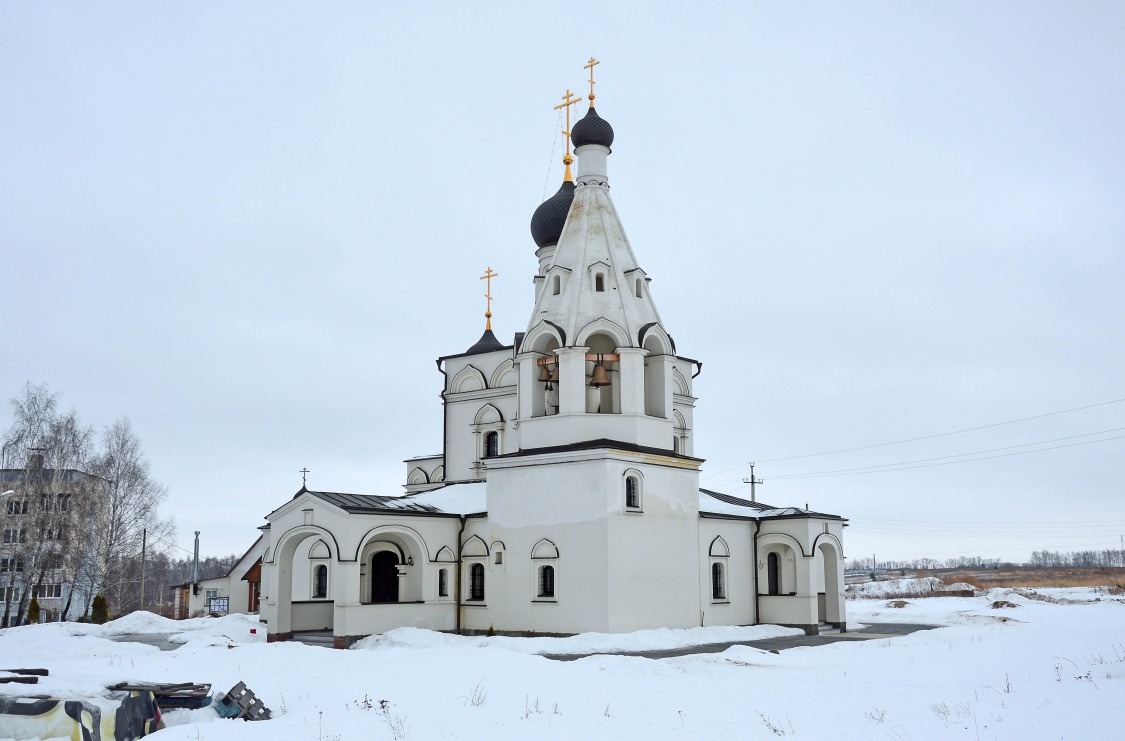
(566, 496)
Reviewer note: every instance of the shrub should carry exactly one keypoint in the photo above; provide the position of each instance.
(33, 612)
(99, 613)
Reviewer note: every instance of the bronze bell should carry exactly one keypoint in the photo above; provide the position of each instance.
(554, 373)
(599, 377)
(544, 374)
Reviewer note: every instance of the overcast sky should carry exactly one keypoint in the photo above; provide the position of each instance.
(251, 228)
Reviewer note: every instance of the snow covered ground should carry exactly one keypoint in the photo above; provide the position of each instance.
(1050, 667)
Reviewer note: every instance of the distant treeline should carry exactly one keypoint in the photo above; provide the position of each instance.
(1039, 559)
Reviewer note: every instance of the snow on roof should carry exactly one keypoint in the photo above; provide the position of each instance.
(459, 499)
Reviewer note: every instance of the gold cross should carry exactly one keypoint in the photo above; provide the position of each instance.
(488, 276)
(590, 66)
(568, 101)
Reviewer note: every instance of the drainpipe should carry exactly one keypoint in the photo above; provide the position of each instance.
(457, 579)
(757, 585)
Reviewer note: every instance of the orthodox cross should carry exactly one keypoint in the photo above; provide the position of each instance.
(568, 101)
(488, 276)
(590, 66)
(304, 472)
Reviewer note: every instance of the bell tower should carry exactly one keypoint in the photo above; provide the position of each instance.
(596, 361)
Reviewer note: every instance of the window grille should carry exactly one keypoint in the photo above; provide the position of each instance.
(546, 581)
(491, 444)
(476, 582)
(442, 583)
(718, 585)
(632, 495)
(320, 581)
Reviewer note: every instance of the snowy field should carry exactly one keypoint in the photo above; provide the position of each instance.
(1051, 666)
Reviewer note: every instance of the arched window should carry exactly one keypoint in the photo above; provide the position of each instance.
(632, 493)
(491, 444)
(320, 581)
(718, 582)
(599, 282)
(443, 583)
(476, 582)
(773, 574)
(546, 581)
(556, 285)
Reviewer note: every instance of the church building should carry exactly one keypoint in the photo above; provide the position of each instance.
(566, 497)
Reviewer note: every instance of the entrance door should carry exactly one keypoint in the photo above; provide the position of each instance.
(384, 577)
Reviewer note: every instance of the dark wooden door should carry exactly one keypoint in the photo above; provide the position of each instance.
(384, 577)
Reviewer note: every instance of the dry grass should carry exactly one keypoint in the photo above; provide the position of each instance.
(1112, 578)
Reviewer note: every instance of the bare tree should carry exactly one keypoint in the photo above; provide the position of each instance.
(44, 454)
(125, 507)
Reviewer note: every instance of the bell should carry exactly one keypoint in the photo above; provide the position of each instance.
(555, 373)
(599, 377)
(544, 374)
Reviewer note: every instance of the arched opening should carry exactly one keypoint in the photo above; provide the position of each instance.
(491, 444)
(773, 574)
(657, 396)
(545, 393)
(604, 399)
(829, 602)
(384, 577)
(632, 493)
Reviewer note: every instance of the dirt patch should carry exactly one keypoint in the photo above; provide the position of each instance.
(1003, 603)
(898, 603)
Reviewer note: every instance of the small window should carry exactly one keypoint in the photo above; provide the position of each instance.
(556, 285)
(499, 558)
(639, 291)
(491, 444)
(632, 493)
(443, 583)
(773, 574)
(476, 582)
(718, 582)
(599, 283)
(547, 581)
(320, 581)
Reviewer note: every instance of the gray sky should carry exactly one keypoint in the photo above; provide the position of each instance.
(252, 227)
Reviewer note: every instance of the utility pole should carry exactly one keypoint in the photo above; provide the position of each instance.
(195, 567)
(753, 481)
(144, 547)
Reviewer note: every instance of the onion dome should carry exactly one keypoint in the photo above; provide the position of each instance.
(591, 129)
(486, 343)
(548, 220)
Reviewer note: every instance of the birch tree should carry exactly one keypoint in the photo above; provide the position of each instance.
(127, 505)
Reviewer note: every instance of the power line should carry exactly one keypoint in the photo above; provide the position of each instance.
(922, 437)
(948, 463)
(956, 455)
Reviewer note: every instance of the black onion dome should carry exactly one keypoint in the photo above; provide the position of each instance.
(591, 129)
(486, 343)
(548, 220)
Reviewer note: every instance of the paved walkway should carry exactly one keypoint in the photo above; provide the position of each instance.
(160, 640)
(869, 631)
